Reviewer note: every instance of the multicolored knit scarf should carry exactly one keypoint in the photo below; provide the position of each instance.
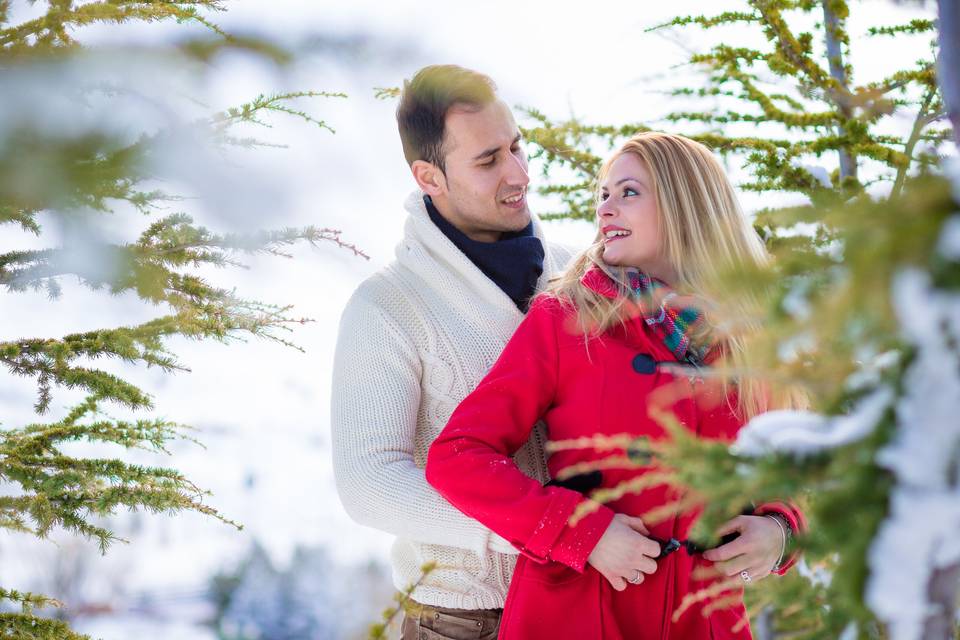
(674, 318)
(673, 322)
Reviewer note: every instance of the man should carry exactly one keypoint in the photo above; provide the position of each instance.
(419, 335)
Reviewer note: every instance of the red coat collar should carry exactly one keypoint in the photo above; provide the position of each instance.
(634, 333)
(597, 280)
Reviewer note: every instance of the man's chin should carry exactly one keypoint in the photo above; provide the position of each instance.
(516, 219)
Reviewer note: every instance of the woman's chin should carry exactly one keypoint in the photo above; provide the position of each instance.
(612, 257)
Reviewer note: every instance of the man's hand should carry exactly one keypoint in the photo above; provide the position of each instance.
(623, 551)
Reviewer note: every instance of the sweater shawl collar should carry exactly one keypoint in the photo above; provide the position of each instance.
(425, 250)
(514, 262)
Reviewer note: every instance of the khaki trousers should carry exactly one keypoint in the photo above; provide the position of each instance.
(439, 623)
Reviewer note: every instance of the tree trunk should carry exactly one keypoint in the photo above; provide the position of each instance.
(848, 162)
(945, 583)
(942, 591)
(948, 63)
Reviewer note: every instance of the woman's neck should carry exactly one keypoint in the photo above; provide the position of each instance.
(665, 273)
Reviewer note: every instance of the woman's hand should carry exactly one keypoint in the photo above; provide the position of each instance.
(623, 550)
(755, 551)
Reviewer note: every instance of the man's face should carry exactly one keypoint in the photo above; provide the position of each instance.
(484, 190)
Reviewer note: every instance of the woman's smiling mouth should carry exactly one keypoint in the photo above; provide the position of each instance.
(611, 233)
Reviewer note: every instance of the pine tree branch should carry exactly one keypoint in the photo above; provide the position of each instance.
(28, 601)
(728, 17)
(22, 626)
(201, 311)
(95, 169)
(920, 122)
(89, 169)
(872, 97)
(275, 102)
(794, 53)
(147, 265)
(405, 602)
(59, 490)
(49, 372)
(25, 217)
(807, 119)
(50, 30)
(752, 93)
(50, 360)
(913, 27)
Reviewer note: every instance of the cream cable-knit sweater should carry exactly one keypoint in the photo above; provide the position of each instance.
(414, 340)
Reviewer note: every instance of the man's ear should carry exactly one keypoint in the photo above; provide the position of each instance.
(429, 178)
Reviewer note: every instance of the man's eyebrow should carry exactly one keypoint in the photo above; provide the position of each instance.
(493, 150)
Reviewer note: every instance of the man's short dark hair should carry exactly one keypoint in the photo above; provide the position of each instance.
(425, 101)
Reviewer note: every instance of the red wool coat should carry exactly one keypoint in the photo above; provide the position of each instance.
(545, 372)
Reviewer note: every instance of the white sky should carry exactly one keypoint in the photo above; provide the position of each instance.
(263, 409)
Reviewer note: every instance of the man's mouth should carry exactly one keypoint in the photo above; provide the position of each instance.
(515, 200)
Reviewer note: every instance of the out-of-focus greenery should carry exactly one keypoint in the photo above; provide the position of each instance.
(61, 158)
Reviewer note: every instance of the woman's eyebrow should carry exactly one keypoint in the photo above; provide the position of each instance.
(621, 181)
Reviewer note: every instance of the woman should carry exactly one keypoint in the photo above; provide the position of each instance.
(597, 354)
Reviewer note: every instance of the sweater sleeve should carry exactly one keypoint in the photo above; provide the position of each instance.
(469, 462)
(374, 404)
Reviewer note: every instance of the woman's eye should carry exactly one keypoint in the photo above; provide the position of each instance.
(629, 192)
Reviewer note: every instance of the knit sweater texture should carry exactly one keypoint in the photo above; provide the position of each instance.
(414, 339)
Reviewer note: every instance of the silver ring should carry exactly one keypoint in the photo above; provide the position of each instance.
(638, 579)
(746, 576)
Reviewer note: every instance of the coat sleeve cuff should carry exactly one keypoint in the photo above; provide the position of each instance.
(576, 543)
(795, 518)
(555, 540)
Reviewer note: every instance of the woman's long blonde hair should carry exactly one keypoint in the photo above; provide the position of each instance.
(704, 234)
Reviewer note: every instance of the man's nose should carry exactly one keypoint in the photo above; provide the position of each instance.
(517, 174)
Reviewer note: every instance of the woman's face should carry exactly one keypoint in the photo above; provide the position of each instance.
(628, 218)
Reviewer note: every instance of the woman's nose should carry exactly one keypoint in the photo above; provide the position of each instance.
(605, 209)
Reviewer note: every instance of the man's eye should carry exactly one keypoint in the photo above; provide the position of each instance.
(488, 164)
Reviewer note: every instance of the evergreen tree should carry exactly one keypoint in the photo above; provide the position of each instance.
(797, 102)
(860, 310)
(64, 158)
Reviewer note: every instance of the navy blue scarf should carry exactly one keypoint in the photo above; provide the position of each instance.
(514, 262)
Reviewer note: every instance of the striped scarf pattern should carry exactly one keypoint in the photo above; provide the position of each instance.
(674, 323)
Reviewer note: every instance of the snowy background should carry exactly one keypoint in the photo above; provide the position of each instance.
(262, 409)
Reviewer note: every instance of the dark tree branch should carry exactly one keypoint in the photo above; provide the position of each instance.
(922, 120)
